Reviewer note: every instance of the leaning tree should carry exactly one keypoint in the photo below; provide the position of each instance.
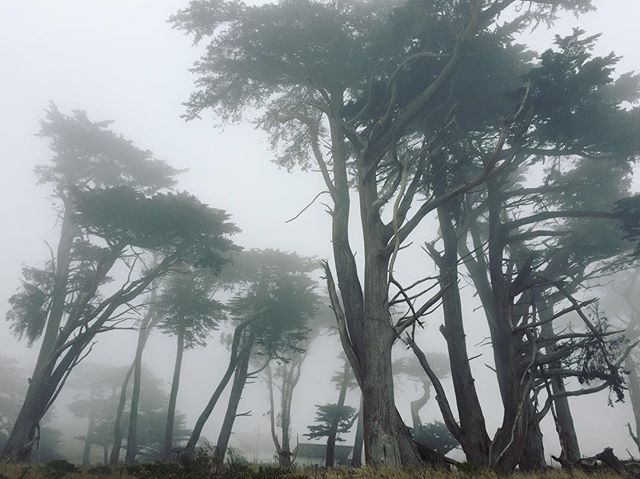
(279, 304)
(187, 310)
(112, 216)
(371, 80)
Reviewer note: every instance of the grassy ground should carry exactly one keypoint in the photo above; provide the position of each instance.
(252, 472)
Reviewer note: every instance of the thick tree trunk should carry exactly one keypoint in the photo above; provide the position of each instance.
(386, 438)
(358, 443)
(173, 396)
(532, 457)
(333, 433)
(236, 354)
(514, 379)
(237, 387)
(25, 432)
(474, 438)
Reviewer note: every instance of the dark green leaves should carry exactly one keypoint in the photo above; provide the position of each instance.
(329, 414)
(186, 304)
(89, 154)
(172, 224)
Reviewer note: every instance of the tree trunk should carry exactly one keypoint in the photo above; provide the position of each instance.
(143, 334)
(514, 379)
(239, 381)
(86, 453)
(117, 430)
(236, 354)
(333, 433)
(132, 442)
(563, 418)
(634, 395)
(173, 396)
(419, 404)
(532, 457)
(23, 435)
(105, 454)
(474, 438)
(386, 438)
(358, 443)
(25, 432)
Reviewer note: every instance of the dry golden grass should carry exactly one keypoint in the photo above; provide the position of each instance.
(40, 472)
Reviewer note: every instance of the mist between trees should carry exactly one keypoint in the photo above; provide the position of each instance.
(499, 172)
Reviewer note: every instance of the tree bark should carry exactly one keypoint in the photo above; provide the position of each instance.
(237, 387)
(175, 384)
(634, 395)
(563, 418)
(358, 443)
(236, 354)
(143, 335)
(418, 404)
(117, 430)
(473, 438)
(532, 457)
(132, 442)
(23, 435)
(86, 452)
(333, 433)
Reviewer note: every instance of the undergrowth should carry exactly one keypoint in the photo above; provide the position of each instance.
(206, 469)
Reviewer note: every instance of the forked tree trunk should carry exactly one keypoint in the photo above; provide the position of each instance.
(173, 396)
(239, 381)
(473, 436)
(144, 331)
(234, 358)
(290, 375)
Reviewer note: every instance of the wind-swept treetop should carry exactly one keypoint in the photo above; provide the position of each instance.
(171, 224)
(186, 303)
(279, 306)
(89, 154)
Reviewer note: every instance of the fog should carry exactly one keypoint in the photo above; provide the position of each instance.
(122, 61)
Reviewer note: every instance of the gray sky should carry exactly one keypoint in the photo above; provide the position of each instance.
(120, 60)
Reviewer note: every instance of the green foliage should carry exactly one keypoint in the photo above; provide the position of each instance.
(329, 414)
(279, 301)
(172, 224)
(89, 155)
(186, 303)
(29, 306)
(577, 103)
(410, 367)
(435, 436)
